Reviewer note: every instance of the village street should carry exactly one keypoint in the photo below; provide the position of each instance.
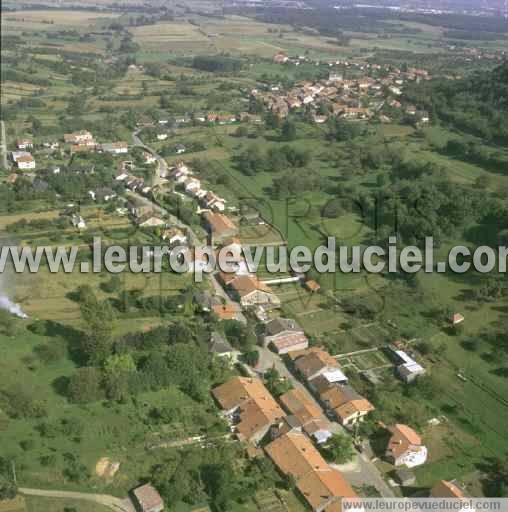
(361, 471)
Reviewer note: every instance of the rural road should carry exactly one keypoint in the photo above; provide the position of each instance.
(162, 169)
(110, 502)
(162, 166)
(3, 145)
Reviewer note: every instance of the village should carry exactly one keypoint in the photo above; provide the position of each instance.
(321, 403)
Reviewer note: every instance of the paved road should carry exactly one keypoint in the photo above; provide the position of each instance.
(162, 166)
(111, 502)
(3, 145)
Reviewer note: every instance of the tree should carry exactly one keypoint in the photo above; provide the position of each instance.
(288, 132)
(251, 357)
(85, 385)
(8, 489)
(339, 449)
(237, 334)
(98, 317)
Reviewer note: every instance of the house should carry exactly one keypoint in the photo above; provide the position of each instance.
(219, 346)
(25, 162)
(284, 335)
(82, 148)
(250, 406)
(408, 369)
(102, 194)
(312, 286)
(214, 202)
(457, 318)
(148, 499)
(150, 220)
(24, 144)
(148, 158)
(335, 77)
(252, 292)
(405, 447)
(229, 311)
(162, 136)
(314, 362)
(305, 415)
(81, 138)
(174, 236)
(348, 406)
(180, 148)
(116, 148)
(320, 119)
(219, 226)
(320, 485)
(280, 58)
(446, 489)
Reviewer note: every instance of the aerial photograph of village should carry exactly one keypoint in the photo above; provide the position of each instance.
(348, 160)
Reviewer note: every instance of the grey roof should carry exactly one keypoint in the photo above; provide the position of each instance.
(218, 344)
(278, 325)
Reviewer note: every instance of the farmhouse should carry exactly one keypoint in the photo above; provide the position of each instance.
(405, 447)
(219, 346)
(285, 335)
(305, 416)
(251, 292)
(280, 58)
(148, 499)
(219, 226)
(116, 148)
(251, 407)
(314, 362)
(230, 311)
(408, 369)
(321, 486)
(25, 162)
(148, 158)
(174, 236)
(346, 404)
(81, 138)
(149, 220)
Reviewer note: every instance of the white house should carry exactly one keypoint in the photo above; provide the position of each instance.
(405, 447)
(25, 162)
(162, 136)
(116, 148)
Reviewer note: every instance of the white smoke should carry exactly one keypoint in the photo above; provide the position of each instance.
(6, 303)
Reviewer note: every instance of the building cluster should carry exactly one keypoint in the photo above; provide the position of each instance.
(83, 141)
(255, 415)
(324, 377)
(22, 157)
(183, 177)
(347, 98)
